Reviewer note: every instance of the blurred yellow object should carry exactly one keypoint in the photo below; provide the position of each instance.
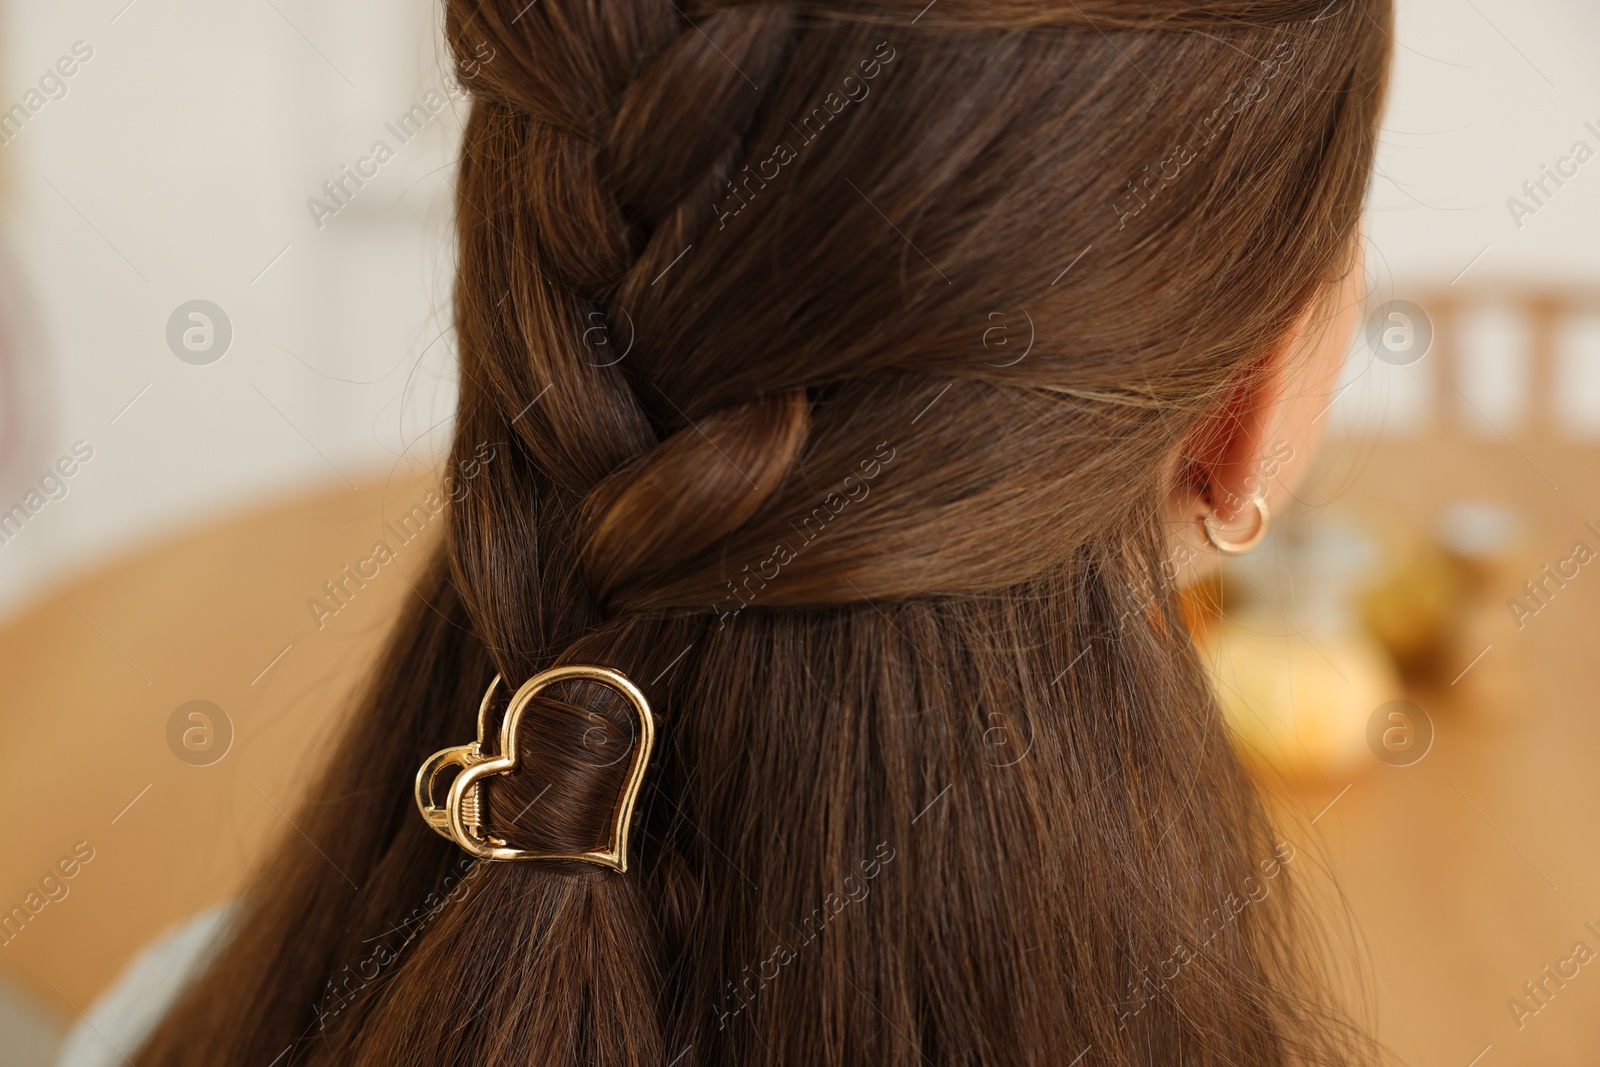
(1298, 704)
(1417, 610)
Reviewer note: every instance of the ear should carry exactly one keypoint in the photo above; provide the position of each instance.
(1271, 414)
(1219, 460)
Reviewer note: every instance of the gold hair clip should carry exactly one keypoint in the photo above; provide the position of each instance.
(461, 817)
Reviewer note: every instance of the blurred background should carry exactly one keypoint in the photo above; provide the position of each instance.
(228, 372)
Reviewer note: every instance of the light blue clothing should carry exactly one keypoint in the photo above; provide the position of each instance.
(124, 1015)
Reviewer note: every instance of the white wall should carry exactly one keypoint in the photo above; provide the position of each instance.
(177, 166)
(1472, 116)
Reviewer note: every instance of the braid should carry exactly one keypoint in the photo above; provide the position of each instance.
(601, 493)
(724, 268)
(590, 143)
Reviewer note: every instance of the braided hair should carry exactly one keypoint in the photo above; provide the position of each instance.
(832, 354)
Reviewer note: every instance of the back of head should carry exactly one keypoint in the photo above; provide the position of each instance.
(826, 357)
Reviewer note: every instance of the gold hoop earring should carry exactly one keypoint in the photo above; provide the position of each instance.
(1214, 531)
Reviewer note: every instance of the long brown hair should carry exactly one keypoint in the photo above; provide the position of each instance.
(830, 356)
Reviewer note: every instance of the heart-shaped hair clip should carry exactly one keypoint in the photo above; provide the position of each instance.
(461, 815)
